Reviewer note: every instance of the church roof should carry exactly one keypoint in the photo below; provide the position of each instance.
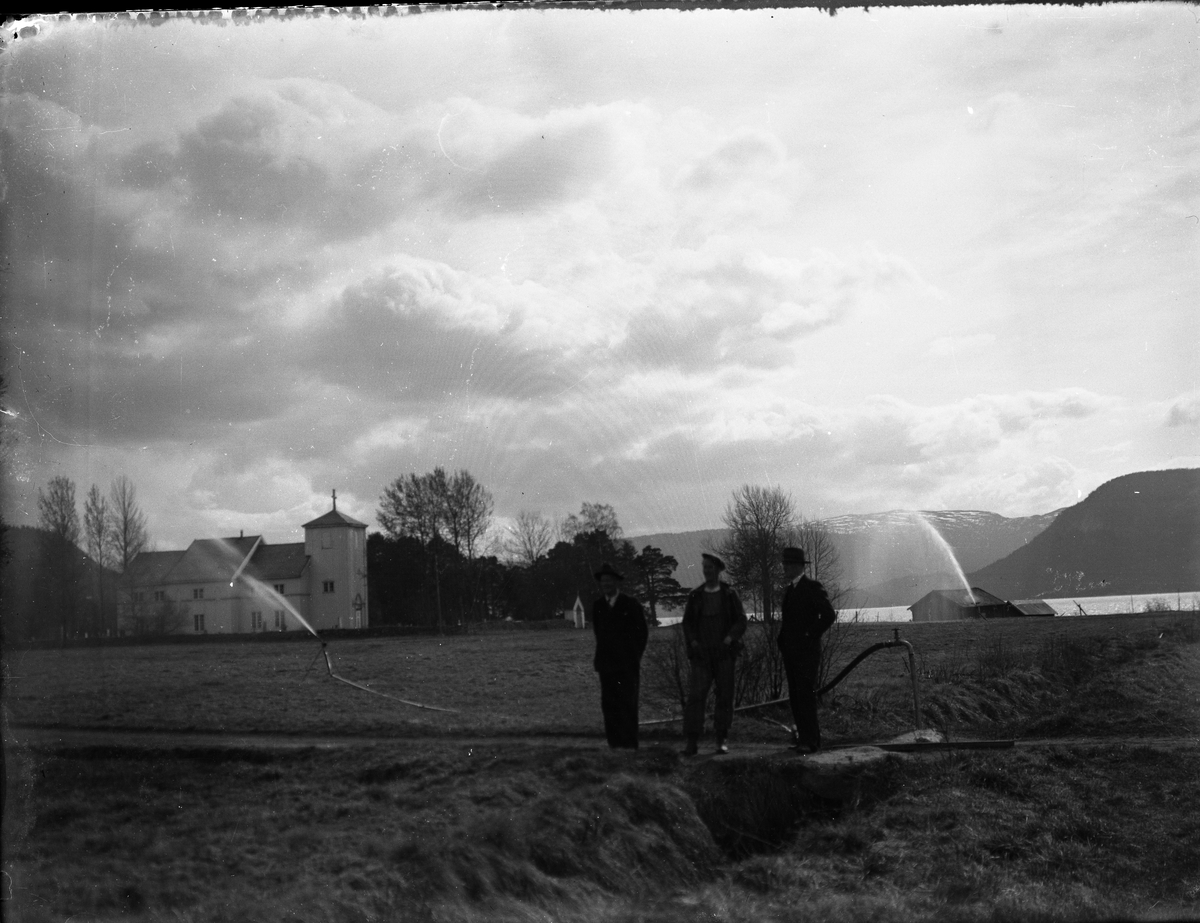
(332, 519)
(210, 559)
(213, 560)
(151, 567)
(277, 562)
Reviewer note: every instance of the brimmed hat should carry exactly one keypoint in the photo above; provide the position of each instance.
(611, 571)
(794, 556)
(712, 557)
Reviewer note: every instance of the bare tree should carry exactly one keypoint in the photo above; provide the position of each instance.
(98, 536)
(59, 520)
(468, 512)
(57, 513)
(129, 537)
(593, 517)
(761, 523)
(97, 528)
(128, 523)
(529, 538)
(412, 506)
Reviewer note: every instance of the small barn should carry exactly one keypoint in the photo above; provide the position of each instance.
(954, 605)
(1033, 607)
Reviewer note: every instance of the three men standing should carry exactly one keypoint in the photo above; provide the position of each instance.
(619, 623)
(805, 615)
(713, 624)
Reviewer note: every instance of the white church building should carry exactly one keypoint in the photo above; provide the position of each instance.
(244, 584)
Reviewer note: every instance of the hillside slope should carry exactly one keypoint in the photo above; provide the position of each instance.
(894, 558)
(891, 558)
(1139, 533)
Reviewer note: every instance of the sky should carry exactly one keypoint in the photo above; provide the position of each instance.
(926, 258)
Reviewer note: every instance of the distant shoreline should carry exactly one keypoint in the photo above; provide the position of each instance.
(1185, 601)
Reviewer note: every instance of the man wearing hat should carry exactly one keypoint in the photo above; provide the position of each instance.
(713, 624)
(805, 615)
(621, 634)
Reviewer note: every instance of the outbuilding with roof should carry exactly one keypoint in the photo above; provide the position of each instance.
(954, 605)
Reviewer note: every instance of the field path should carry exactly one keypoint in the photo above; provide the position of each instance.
(44, 738)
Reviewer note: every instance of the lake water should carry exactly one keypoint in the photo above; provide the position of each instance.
(1091, 605)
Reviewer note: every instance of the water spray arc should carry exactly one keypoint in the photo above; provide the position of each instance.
(943, 546)
(278, 600)
(245, 561)
(274, 596)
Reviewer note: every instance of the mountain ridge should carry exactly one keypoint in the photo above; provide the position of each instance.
(1137, 533)
(886, 557)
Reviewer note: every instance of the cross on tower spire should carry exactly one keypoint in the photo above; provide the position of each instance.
(335, 500)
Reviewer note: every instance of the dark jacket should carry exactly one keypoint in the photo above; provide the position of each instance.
(733, 615)
(621, 634)
(805, 614)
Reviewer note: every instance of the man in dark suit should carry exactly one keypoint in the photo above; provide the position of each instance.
(621, 634)
(713, 624)
(805, 615)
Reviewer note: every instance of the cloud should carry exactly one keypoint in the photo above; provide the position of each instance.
(423, 331)
(746, 154)
(956, 346)
(1185, 410)
(295, 153)
(735, 305)
(497, 160)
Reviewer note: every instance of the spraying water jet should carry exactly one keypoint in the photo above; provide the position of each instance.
(931, 532)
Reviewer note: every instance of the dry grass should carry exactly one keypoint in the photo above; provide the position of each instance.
(437, 828)
(518, 682)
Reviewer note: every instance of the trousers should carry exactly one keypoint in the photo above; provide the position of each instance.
(706, 669)
(619, 703)
(802, 694)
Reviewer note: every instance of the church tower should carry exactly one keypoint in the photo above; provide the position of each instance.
(336, 546)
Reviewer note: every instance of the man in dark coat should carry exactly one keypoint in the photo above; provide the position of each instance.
(805, 615)
(713, 624)
(621, 634)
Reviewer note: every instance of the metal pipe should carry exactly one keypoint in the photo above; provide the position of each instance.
(898, 642)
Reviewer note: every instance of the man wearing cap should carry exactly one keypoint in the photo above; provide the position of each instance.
(621, 634)
(805, 614)
(713, 624)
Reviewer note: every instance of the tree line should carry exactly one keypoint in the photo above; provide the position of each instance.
(440, 562)
(52, 589)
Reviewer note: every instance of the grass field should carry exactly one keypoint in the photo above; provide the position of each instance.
(446, 817)
(512, 682)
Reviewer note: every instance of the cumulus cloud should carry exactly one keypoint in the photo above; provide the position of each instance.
(1185, 410)
(497, 160)
(746, 154)
(426, 331)
(292, 153)
(736, 305)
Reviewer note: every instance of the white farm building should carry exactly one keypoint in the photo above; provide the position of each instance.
(244, 584)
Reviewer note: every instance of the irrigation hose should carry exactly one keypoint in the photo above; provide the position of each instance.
(350, 682)
(820, 692)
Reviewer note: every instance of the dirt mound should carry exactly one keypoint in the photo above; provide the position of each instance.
(624, 836)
